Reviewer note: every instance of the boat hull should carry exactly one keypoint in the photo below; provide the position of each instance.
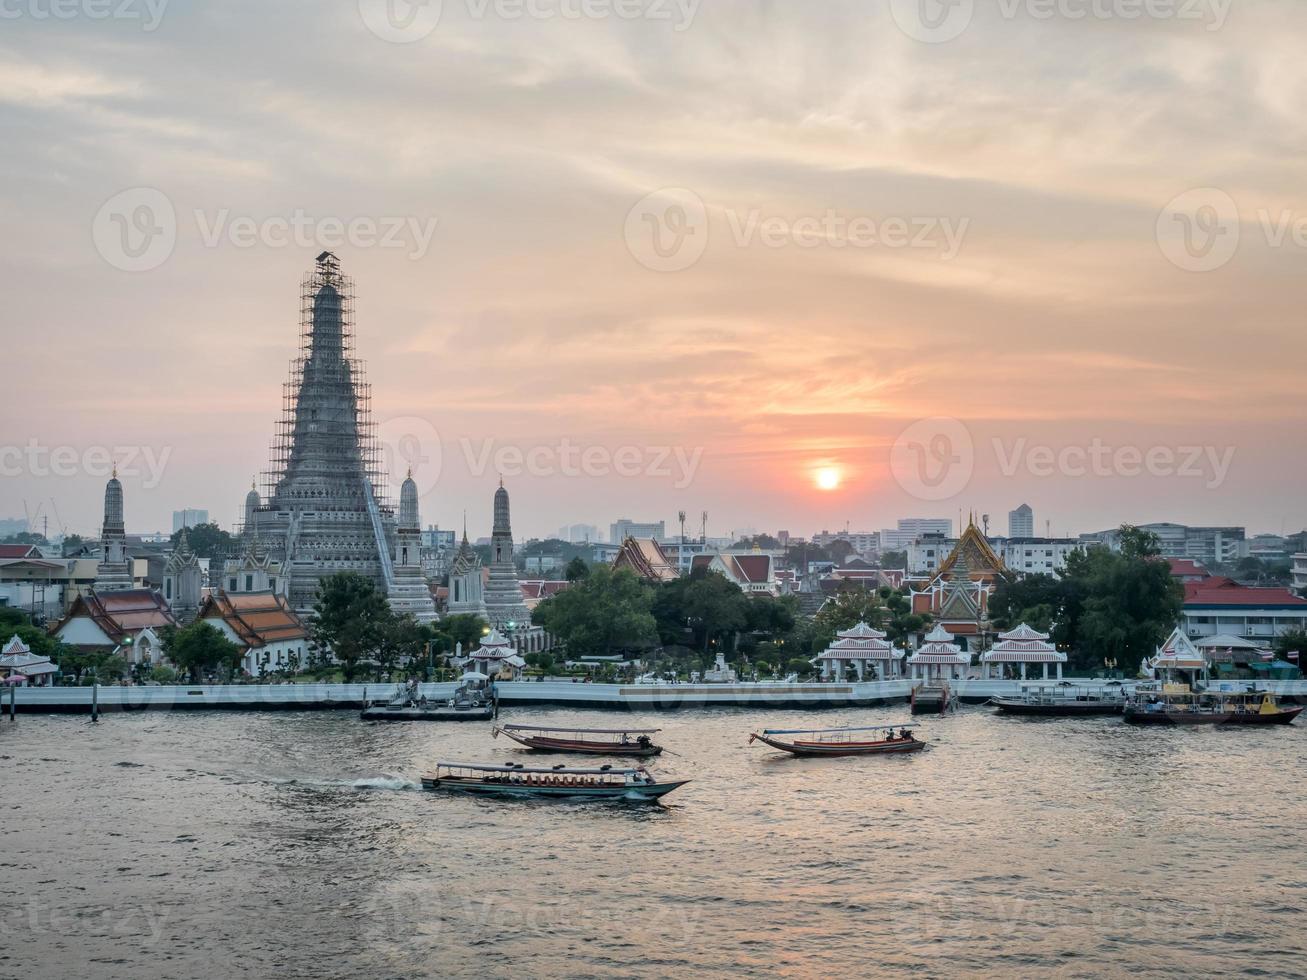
(580, 747)
(1284, 716)
(842, 749)
(443, 713)
(1068, 709)
(647, 793)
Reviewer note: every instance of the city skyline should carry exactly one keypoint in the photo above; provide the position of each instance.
(524, 308)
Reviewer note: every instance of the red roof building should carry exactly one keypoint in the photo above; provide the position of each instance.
(127, 621)
(1217, 605)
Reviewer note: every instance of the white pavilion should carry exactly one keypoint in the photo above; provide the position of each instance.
(938, 658)
(496, 658)
(865, 647)
(1178, 661)
(1020, 648)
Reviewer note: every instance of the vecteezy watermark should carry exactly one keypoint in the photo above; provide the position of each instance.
(1201, 230)
(667, 231)
(411, 446)
(35, 459)
(143, 924)
(136, 230)
(938, 21)
(932, 459)
(406, 21)
(568, 459)
(148, 13)
(935, 458)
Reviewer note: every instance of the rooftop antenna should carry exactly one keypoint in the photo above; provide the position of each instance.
(703, 529)
(680, 514)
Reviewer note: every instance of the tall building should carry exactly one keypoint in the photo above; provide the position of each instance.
(188, 518)
(626, 528)
(324, 511)
(1021, 522)
(115, 571)
(909, 529)
(1209, 545)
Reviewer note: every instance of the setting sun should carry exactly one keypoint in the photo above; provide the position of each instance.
(828, 478)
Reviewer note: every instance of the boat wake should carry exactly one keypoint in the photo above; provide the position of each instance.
(388, 781)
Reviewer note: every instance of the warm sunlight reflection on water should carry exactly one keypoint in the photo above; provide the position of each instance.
(158, 845)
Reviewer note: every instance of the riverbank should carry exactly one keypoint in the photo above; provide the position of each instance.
(620, 697)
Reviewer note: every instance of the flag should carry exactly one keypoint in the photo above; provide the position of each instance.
(1292, 654)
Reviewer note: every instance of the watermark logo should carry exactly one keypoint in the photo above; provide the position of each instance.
(932, 21)
(568, 459)
(411, 446)
(667, 231)
(1199, 231)
(136, 229)
(933, 459)
(1208, 464)
(148, 13)
(400, 21)
(34, 458)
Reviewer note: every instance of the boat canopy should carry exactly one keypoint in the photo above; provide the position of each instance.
(563, 770)
(586, 731)
(827, 731)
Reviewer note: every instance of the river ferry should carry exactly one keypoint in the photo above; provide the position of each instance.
(1046, 701)
(933, 698)
(603, 783)
(589, 741)
(878, 740)
(1175, 705)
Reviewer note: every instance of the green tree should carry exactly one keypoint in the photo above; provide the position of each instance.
(845, 610)
(350, 618)
(1118, 605)
(602, 614)
(201, 649)
(459, 628)
(208, 541)
(578, 568)
(1287, 643)
(704, 604)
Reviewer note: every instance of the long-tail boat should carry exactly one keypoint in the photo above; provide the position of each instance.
(603, 783)
(589, 741)
(840, 741)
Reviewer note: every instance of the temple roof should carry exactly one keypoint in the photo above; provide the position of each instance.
(646, 558)
(121, 613)
(1179, 652)
(976, 556)
(258, 618)
(1023, 645)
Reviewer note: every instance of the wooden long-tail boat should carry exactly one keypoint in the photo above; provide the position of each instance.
(881, 739)
(589, 741)
(603, 783)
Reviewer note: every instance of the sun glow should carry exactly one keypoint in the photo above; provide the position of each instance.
(827, 478)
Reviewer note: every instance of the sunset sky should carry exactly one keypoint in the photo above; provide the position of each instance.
(766, 381)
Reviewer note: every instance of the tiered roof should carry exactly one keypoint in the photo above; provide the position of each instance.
(1023, 645)
(258, 618)
(646, 558)
(121, 614)
(862, 642)
(939, 648)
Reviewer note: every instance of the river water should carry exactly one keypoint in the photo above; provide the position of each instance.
(188, 844)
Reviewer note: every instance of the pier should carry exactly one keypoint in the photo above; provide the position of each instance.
(664, 697)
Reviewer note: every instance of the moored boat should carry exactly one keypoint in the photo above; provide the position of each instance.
(933, 698)
(603, 783)
(877, 740)
(470, 702)
(589, 741)
(1173, 705)
(1060, 702)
